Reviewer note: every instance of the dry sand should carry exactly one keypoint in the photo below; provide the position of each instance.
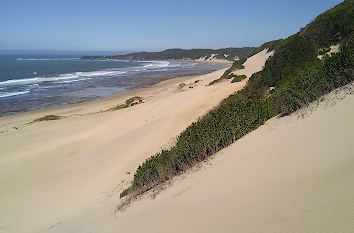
(55, 172)
(294, 174)
(254, 63)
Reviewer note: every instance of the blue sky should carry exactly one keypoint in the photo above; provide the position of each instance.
(133, 25)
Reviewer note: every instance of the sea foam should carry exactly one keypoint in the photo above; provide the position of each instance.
(8, 94)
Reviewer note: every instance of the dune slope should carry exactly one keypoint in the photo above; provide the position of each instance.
(293, 174)
(55, 171)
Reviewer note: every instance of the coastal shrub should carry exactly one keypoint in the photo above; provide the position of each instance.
(128, 103)
(237, 65)
(47, 118)
(324, 51)
(333, 72)
(296, 77)
(331, 26)
(201, 139)
(124, 192)
(228, 73)
(216, 81)
(245, 111)
(238, 78)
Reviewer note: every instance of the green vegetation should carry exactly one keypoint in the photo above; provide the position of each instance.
(324, 51)
(128, 103)
(180, 54)
(216, 81)
(315, 81)
(271, 45)
(237, 65)
(47, 118)
(295, 77)
(332, 26)
(238, 78)
(181, 86)
(124, 193)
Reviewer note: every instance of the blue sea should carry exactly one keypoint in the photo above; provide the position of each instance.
(36, 80)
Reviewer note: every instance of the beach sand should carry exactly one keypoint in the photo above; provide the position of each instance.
(53, 172)
(293, 174)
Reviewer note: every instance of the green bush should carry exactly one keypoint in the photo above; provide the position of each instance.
(124, 192)
(332, 26)
(128, 103)
(238, 78)
(47, 118)
(298, 77)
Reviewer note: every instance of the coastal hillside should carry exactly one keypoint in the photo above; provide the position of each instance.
(228, 54)
(292, 78)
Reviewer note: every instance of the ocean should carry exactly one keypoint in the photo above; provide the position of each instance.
(32, 81)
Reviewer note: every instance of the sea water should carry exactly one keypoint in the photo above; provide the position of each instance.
(31, 81)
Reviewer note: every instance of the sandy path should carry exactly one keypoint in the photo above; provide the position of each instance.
(55, 172)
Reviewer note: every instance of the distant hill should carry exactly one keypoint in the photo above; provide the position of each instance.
(230, 54)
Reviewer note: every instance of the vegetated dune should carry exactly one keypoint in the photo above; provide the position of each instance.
(54, 172)
(255, 63)
(293, 174)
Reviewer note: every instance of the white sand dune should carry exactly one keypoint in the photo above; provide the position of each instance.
(293, 174)
(55, 172)
(254, 63)
(290, 175)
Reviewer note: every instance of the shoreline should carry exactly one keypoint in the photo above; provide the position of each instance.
(56, 94)
(93, 106)
(79, 164)
(119, 96)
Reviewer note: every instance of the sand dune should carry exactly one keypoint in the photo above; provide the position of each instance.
(293, 174)
(55, 172)
(51, 172)
(254, 63)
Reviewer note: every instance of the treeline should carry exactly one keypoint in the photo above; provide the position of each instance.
(291, 79)
(179, 54)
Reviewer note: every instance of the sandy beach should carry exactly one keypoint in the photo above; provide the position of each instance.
(54, 171)
(177, 117)
(66, 175)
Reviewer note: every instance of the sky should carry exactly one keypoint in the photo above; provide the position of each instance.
(151, 25)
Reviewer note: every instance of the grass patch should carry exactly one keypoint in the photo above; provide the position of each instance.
(238, 78)
(124, 192)
(47, 118)
(216, 81)
(237, 65)
(128, 103)
(181, 86)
